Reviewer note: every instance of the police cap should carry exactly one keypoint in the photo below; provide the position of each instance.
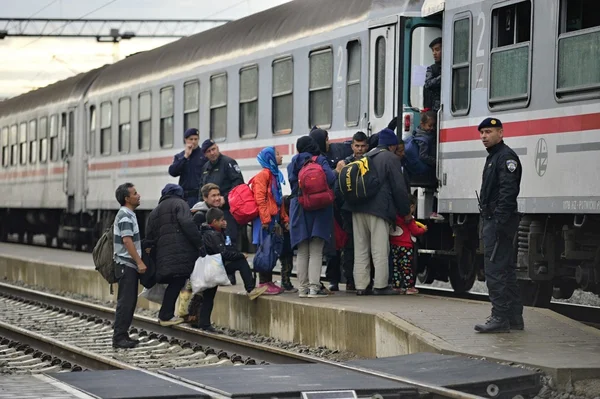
(207, 144)
(489, 122)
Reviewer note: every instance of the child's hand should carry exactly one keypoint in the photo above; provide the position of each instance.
(425, 228)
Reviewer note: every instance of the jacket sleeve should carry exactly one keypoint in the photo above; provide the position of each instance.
(329, 173)
(424, 153)
(432, 82)
(260, 188)
(393, 172)
(177, 166)
(414, 229)
(508, 186)
(292, 178)
(189, 228)
(212, 243)
(285, 218)
(234, 174)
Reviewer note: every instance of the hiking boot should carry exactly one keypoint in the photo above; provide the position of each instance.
(258, 291)
(517, 323)
(173, 322)
(124, 344)
(385, 291)
(317, 294)
(350, 287)
(210, 329)
(494, 324)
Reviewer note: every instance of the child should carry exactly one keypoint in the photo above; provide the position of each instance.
(287, 254)
(401, 240)
(214, 242)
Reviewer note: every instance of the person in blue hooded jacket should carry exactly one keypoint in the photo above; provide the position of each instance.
(178, 245)
(309, 230)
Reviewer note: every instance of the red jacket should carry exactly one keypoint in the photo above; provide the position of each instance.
(404, 235)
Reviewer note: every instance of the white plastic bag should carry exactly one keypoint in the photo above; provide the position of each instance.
(154, 294)
(208, 272)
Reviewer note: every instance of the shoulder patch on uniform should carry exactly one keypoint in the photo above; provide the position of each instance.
(511, 165)
(237, 168)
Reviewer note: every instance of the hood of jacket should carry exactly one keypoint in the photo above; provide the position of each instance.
(422, 133)
(200, 206)
(171, 190)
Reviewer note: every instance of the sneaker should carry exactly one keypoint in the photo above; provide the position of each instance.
(289, 288)
(258, 291)
(436, 216)
(334, 287)
(276, 287)
(385, 291)
(269, 289)
(402, 291)
(174, 321)
(303, 293)
(317, 293)
(412, 291)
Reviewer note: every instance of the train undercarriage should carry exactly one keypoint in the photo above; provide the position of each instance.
(556, 254)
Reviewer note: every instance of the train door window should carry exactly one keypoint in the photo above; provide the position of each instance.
(510, 61)
(92, 132)
(321, 88)
(71, 142)
(105, 128)
(33, 151)
(191, 105)
(422, 92)
(63, 134)
(43, 133)
(461, 65)
(145, 121)
(124, 125)
(218, 107)
(4, 142)
(54, 138)
(283, 95)
(578, 48)
(23, 143)
(14, 146)
(380, 52)
(353, 84)
(249, 102)
(167, 133)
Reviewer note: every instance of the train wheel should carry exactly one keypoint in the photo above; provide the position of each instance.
(535, 293)
(463, 270)
(564, 290)
(426, 274)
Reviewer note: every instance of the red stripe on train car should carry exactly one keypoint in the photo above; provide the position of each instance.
(563, 124)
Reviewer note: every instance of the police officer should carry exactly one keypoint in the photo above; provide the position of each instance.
(225, 173)
(498, 205)
(188, 165)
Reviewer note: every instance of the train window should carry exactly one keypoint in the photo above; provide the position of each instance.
(54, 138)
(92, 132)
(218, 107)
(249, 102)
(23, 143)
(43, 132)
(353, 84)
(321, 88)
(578, 51)
(63, 134)
(145, 121)
(283, 92)
(191, 105)
(14, 146)
(33, 141)
(124, 125)
(510, 63)
(461, 65)
(4, 142)
(380, 51)
(166, 118)
(105, 128)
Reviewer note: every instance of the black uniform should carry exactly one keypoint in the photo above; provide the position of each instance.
(498, 201)
(226, 174)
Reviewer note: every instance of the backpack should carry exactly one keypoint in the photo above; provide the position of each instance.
(358, 181)
(103, 254)
(242, 204)
(414, 164)
(313, 191)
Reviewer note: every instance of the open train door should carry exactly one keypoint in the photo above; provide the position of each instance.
(67, 145)
(382, 73)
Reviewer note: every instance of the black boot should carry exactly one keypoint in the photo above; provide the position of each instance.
(517, 323)
(494, 324)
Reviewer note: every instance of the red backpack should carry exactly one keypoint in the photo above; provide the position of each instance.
(313, 191)
(242, 204)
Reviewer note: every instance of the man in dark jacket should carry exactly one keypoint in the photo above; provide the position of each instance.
(373, 218)
(433, 77)
(214, 241)
(188, 165)
(178, 246)
(334, 152)
(225, 173)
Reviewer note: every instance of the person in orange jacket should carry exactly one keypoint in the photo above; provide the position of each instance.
(266, 186)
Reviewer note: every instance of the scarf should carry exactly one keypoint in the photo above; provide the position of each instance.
(267, 159)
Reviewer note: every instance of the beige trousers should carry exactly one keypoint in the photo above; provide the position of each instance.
(371, 240)
(310, 259)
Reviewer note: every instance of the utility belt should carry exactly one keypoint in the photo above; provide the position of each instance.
(191, 193)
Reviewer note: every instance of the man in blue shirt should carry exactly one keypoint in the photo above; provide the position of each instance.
(188, 165)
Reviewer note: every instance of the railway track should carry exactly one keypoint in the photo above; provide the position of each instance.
(56, 334)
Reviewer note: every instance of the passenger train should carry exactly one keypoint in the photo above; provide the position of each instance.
(344, 65)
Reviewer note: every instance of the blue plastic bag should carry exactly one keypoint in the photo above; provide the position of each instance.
(268, 252)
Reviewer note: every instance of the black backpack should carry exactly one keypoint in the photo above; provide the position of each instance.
(358, 181)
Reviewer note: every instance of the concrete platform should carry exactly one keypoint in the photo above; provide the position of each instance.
(37, 386)
(368, 326)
